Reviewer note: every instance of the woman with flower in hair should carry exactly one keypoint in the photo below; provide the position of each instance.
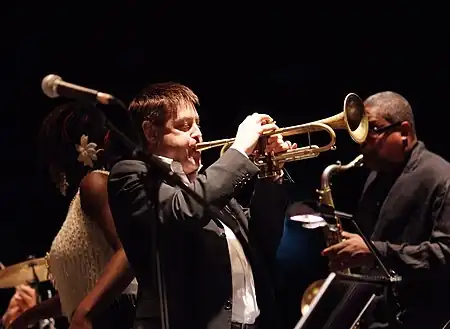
(89, 269)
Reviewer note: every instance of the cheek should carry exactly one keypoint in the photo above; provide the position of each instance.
(176, 141)
(392, 148)
(375, 149)
(370, 145)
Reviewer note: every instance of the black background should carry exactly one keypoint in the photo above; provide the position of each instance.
(295, 62)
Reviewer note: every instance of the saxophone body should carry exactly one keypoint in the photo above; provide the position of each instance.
(332, 231)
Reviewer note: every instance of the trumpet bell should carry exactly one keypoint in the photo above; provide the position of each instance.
(353, 118)
(356, 118)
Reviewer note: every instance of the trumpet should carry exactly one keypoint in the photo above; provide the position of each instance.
(353, 118)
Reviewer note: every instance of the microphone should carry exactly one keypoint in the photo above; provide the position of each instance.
(54, 86)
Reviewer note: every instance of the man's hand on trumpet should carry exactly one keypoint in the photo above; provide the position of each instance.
(252, 128)
(249, 133)
(276, 144)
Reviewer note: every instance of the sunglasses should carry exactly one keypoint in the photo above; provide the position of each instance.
(379, 130)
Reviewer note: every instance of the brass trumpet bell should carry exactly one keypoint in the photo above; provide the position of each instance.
(353, 118)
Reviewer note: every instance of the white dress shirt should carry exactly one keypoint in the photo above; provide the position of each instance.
(244, 308)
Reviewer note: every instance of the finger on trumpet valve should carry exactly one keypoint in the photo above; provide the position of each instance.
(268, 121)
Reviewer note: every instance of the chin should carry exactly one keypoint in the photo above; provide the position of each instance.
(196, 162)
(191, 166)
(375, 166)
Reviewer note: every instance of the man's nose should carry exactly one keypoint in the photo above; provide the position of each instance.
(196, 133)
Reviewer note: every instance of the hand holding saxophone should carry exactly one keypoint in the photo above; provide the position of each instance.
(352, 251)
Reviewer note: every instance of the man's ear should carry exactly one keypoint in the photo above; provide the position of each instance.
(405, 129)
(149, 133)
(406, 133)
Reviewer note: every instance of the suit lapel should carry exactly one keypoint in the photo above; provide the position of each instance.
(392, 201)
(395, 194)
(383, 216)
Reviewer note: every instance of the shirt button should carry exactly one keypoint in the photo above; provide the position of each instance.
(227, 305)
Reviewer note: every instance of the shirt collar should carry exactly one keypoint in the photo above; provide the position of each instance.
(177, 168)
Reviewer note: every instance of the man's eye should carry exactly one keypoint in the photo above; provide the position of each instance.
(184, 127)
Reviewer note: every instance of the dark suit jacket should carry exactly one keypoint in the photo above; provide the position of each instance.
(194, 248)
(412, 231)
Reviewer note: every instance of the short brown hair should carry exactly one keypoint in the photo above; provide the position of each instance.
(158, 102)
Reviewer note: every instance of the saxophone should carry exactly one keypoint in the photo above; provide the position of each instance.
(333, 231)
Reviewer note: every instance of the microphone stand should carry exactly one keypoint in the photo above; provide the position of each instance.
(164, 172)
(328, 212)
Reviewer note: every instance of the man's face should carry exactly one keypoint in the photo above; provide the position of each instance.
(178, 138)
(384, 145)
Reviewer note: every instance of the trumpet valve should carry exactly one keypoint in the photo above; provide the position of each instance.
(268, 166)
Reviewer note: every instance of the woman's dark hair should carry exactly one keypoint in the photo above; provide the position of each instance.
(60, 143)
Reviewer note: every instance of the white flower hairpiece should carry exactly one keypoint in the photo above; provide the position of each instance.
(87, 152)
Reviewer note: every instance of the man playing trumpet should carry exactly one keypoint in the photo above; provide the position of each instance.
(214, 273)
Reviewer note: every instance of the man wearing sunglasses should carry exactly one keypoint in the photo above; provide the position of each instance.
(405, 210)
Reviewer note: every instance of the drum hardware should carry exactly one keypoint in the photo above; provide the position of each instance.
(27, 272)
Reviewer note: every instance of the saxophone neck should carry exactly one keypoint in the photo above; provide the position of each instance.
(325, 195)
(356, 162)
(329, 171)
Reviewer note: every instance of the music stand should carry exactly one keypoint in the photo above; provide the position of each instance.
(340, 302)
(342, 299)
